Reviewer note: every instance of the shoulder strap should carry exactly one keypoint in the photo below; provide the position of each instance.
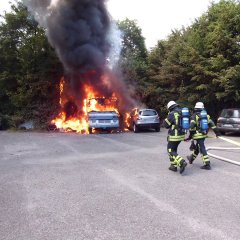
(197, 119)
(176, 116)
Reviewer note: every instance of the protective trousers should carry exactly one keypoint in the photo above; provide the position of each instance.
(172, 147)
(200, 147)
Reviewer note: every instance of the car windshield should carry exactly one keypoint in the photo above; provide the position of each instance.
(148, 113)
(230, 113)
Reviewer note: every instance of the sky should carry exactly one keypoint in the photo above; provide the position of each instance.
(156, 18)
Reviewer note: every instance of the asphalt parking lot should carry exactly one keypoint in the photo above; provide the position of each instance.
(113, 186)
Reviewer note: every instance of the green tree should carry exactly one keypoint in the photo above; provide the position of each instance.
(133, 43)
(215, 39)
(201, 62)
(30, 70)
(133, 59)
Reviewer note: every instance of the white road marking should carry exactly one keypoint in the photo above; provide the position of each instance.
(230, 141)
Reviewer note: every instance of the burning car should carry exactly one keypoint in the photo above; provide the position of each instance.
(97, 113)
(90, 61)
(107, 120)
(102, 119)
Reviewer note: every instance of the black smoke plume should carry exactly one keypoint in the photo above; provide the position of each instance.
(78, 30)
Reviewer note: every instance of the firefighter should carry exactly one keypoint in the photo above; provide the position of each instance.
(197, 134)
(175, 136)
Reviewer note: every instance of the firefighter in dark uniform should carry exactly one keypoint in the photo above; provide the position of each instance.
(175, 136)
(199, 136)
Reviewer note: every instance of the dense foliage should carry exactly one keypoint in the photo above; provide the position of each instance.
(197, 63)
(133, 60)
(201, 62)
(29, 71)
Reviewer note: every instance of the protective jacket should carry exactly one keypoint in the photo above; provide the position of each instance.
(195, 130)
(172, 122)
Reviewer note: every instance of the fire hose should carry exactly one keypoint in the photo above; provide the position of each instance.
(221, 148)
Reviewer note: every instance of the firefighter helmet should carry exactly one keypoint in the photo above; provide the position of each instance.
(171, 104)
(199, 105)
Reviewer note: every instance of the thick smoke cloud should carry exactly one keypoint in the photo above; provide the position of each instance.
(79, 31)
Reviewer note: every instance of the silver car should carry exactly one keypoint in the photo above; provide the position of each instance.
(229, 120)
(107, 120)
(144, 119)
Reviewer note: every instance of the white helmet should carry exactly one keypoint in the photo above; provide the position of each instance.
(199, 105)
(171, 104)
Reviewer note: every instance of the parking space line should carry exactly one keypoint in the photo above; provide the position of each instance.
(230, 141)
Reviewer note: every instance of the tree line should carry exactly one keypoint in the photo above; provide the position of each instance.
(200, 62)
(197, 63)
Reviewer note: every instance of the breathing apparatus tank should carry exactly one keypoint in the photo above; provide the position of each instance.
(185, 119)
(203, 121)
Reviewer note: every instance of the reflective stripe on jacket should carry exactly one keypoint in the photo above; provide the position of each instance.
(195, 129)
(172, 123)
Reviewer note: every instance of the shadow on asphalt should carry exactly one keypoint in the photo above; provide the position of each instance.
(232, 134)
(147, 131)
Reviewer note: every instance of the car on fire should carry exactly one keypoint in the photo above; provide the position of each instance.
(103, 118)
(144, 119)
(106, 120)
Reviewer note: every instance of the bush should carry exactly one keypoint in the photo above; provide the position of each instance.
(5, 122)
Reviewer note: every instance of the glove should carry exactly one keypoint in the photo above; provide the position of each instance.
(193, 146)
(217, 132)
(218, 135)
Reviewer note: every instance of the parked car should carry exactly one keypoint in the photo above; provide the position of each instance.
(144, 119)
(106, 120)
(100, 117)
(229, 120)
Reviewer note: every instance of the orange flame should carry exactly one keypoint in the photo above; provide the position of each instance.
(90, 103)
(61, 88)
(127, 121)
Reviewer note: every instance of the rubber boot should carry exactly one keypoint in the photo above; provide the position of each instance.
(190, 159)
(182, 166)
(173, 168)
(206, 166)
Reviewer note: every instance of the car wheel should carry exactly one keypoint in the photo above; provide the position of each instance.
(135, 128)
(90, 130)
(223, 133)
(157, 129)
